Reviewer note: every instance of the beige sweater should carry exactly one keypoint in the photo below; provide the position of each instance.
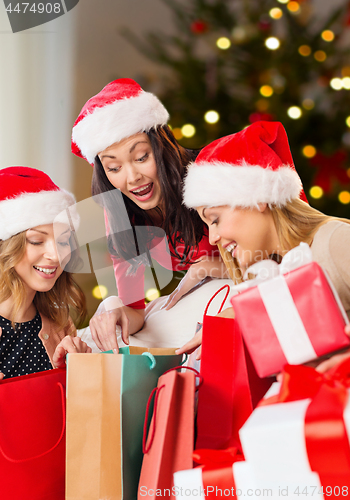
(331, 249)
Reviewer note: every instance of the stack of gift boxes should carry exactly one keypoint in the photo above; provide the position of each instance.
(296, 442)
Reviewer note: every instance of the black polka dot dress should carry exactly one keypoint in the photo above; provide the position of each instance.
(21, 350)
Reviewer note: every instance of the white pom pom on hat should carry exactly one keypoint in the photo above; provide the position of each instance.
(120, 110)
(29, 198)
(244, 169)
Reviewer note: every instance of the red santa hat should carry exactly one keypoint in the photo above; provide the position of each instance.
(120, 110)
(244, 169)
(28, 198)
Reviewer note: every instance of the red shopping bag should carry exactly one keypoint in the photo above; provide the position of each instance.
(170, 442)
(32, 436)
(231, 387)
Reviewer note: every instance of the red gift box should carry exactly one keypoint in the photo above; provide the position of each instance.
(293, 317)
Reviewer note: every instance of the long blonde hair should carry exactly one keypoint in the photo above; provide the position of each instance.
(295, 222)
(56, 304)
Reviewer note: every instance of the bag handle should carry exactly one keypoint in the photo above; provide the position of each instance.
(21, 460)
(156, 391)
(153, 359)
(215, 294)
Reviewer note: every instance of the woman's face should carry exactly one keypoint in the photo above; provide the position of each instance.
(40, 267)
(248, 234)
(130, 167)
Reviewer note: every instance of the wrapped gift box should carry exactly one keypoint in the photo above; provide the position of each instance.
(291, 436)
(290, 313)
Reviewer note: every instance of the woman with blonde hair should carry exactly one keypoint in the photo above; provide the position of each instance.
(246, 189)
(36, 294)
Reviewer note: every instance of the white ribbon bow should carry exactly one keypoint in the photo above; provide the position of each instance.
(269, 269)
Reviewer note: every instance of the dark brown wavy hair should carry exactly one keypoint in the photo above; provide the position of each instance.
(181, 225)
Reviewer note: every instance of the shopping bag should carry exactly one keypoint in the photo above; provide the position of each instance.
(32, 436)
(170, 441)
(106, 402)
(231, 386)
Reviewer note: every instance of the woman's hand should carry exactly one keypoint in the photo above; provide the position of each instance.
(103, 328)
(336, 359)
(1, 375)
(196, 341)
(209, 266)
(68, 345)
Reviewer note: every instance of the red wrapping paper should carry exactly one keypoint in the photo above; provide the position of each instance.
(317, 308)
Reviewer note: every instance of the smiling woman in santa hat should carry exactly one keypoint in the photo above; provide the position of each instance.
(36, 294)
(123, 132)
(246, 189)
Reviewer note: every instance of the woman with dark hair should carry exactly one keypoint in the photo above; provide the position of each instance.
(139, 168)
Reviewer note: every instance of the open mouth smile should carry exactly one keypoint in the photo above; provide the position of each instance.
(46, 271)
(143, 192)
(231, 248)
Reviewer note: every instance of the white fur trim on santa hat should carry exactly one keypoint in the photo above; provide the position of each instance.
(30, 210)
(217, 184)
(114, 122)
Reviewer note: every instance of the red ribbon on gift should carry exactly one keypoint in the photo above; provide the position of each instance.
(326, 438)
(217, 470)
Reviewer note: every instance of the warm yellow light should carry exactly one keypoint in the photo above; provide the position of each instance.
(262, 105)
(266, 91)
(294, 112)
(211, 116)
(347, 121)
(177, 133)
(309, 151)
(272, 43)
(283, 1)
(336, 83)
(152, 294)
(223, 43)
(327, 35)
(293, 7)
(348, 172)
(316, 192)
(304, 50)
(346, 82)
(308, 103)
(344, 197)
(100, 292)
(276, 13)
(345, 71)
(320, 55)
(188, 130)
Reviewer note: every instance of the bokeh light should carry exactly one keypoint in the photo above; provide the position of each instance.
(344, 197)
(266, 91)
(304, 50)
(294, 112)
(188, 130)
(177, 133)
(211, 116)
(152, 293)
(293, 7)
(320, 55)
(327, 35)
(272, 43)
(276, 13)
(223, 43)
(309, 151)
(100, 292)
(316, 192)
(308, 103)
(336, 83)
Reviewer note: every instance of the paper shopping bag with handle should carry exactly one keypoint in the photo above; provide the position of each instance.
(170, 441)
(32, 436)
(231, 386)
(107, 396)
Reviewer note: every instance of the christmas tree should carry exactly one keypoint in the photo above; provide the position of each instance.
(231, 63)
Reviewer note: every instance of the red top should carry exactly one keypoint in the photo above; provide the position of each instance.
(131, 288)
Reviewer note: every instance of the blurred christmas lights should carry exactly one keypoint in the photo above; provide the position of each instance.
(272, 43)
(177, 133)
(188, 130)
(336, 83)
(308, 103)
(293, 7)
(304, 50)
(327, 35)
(309, 151)
(223, 43)
(320, 55)
(276, 13)
(152, 293)
(266, 91)
(211, 116)
(100, 292)
(294, 112)
(344, 197)
(316, 192)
